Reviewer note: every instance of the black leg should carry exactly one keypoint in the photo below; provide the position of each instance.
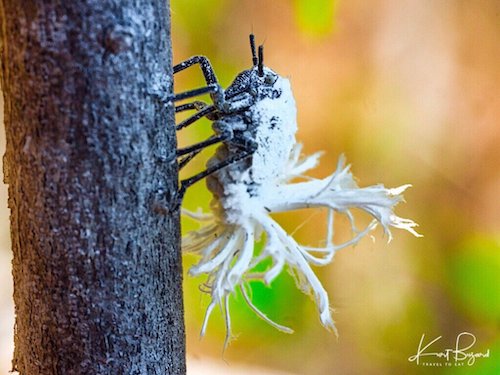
(201, 145)
(185, 184)
(206, 68)
(198, 115)
(213, 88)
(188, 158)
(210, 89)
(198, 105)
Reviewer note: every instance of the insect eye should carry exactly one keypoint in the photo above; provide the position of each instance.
(270, 79)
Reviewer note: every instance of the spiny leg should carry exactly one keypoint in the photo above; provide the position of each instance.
(203, 144)
(203, 109)
(244, 144)
(194, 150)
(185, 184)
(210, 89)
(213, 88)
(198, 115)
(225, 133)
(188, 158)
(206, 68)
(208, 73)
(197, 104)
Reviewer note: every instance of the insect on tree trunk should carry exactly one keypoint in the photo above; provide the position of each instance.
(90, 164)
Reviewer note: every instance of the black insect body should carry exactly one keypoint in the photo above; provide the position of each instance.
(254, 119)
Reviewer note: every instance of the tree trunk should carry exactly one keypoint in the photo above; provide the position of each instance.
(90, 164)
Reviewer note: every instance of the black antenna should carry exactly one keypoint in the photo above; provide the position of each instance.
(252, 47)
(261, 60)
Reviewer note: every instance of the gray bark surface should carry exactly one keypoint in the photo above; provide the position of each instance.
(90, 164)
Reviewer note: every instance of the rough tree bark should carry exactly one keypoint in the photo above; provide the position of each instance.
(90, 164)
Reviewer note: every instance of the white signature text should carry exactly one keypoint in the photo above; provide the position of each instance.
(460, 353)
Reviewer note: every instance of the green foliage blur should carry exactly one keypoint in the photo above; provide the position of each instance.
(408, 91)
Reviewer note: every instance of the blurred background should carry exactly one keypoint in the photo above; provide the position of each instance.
(409, 92)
